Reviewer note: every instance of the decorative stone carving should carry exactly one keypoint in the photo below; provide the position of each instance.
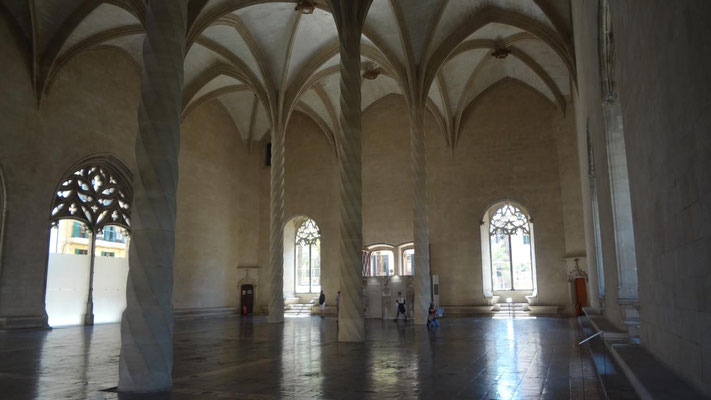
(94, 195)
(247, 275)
(574, 269)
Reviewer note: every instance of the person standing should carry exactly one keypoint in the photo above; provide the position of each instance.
(400, 306)
(322, 303)
(338, 302)
(432, 316)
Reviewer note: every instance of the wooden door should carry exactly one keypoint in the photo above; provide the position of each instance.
(247, 298)
(581, 296)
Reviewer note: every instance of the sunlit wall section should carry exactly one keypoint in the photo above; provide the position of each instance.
(67, 273)
(110, 274)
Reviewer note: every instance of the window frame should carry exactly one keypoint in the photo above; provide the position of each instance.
(508, 232)
(310, 242)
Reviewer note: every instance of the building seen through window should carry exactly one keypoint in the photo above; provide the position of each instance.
(408, 262)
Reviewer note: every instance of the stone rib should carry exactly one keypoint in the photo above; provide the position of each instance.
(276, 231)
(146, 360)
(420, 219)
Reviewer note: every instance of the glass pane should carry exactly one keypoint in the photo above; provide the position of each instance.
(112, 242)
(382, 263)
(408, 262)
(302, 268)
(521, 261)
(316, 266)
(500, 263)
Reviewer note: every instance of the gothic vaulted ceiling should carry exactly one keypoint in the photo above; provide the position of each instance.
(263, 60)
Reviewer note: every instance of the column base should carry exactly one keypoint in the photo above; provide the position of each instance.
(351, 329)
(34, 322)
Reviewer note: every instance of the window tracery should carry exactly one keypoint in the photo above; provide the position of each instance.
(308, 233)
(508, 220)
(307, 255)
(95, 196)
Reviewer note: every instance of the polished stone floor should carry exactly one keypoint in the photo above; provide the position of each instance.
(235, 358)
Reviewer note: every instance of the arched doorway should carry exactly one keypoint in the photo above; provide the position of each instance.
(247, 299)
(88, 249)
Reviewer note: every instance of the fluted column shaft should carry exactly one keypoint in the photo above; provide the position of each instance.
(146, 360)
(349, 16)
(276, 228)
(420, 219)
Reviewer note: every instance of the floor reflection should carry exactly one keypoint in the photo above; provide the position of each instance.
(236, 357)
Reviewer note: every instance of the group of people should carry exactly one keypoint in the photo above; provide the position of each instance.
(432, 315)
(322, 303)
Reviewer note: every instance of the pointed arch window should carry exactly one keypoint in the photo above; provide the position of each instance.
(510, 248)
(307, 257)
(89, 240)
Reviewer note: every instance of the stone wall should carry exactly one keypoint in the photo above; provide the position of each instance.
(218, 223)
(87, 111)
(512, 145)
(590, 119)
(92, 108)
(663, 65)
(507, 150)
(311, 189)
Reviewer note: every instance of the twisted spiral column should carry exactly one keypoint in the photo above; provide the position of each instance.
(276, 229)
(349, 15)
(420, 219)
(146, 360)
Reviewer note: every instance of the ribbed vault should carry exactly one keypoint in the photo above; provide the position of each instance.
(262, 59)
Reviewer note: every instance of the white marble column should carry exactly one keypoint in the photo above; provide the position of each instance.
(276, 228)
(349, 16)
(146, 361)
(420, 221)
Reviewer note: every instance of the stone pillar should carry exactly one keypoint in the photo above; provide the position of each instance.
(349, 16)
(276, 228)
(146, 360)
(420, 221)
(89, 314)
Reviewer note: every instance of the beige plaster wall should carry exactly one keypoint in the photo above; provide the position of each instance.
(663, 65)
